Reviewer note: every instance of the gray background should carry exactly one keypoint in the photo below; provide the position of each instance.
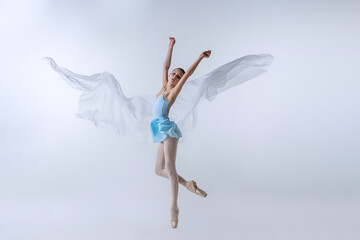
(277, 155)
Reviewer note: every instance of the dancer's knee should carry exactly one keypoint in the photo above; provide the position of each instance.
(158, 171)
(171, 170)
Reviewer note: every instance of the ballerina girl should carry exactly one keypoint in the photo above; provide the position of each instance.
(104, 103)
(167, 133)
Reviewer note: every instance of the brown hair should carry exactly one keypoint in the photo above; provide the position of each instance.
(180, 70)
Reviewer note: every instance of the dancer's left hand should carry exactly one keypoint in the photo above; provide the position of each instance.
(205, 54)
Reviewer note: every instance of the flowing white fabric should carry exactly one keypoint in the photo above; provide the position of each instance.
(104, 103)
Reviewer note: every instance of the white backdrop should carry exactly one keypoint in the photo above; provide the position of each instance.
(277, 155)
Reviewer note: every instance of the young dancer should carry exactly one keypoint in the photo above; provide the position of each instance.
(104, 103)
(167, 133)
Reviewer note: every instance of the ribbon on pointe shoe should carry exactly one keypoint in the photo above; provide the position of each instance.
(174, 221)
(195, 189)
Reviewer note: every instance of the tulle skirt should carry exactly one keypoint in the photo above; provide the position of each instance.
(163, 127)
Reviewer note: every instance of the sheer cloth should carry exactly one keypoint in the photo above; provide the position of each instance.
(104, 103)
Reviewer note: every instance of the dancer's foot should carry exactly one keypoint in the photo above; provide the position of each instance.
(191, 185)
(174, 216)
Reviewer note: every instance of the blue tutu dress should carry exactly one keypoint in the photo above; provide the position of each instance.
(161, 126)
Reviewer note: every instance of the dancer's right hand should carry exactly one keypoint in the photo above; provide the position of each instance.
(172, 42)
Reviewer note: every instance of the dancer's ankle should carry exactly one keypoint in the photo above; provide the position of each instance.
(183, 183)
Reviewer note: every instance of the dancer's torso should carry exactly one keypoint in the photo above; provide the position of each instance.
(163, 103)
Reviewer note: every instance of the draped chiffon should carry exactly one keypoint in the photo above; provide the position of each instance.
(104, 103)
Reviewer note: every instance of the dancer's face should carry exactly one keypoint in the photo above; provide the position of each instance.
(175, 76)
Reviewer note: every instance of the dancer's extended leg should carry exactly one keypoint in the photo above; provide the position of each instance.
(162, 171)
(170, 148)
(160, 165)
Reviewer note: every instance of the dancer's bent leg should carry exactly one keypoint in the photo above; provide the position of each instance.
(160, 165)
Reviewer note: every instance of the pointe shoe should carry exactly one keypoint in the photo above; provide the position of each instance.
(195, 189)
(174, 219)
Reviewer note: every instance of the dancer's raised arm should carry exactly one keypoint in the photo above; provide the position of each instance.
(168, 61)
(190, 71)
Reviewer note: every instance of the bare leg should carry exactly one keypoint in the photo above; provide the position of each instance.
(160, 169)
